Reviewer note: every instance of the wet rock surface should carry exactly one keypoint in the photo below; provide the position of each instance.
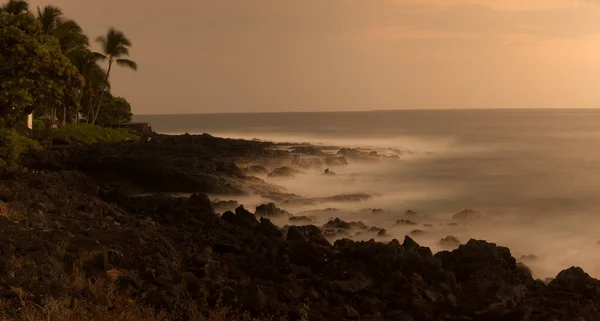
(61, 223)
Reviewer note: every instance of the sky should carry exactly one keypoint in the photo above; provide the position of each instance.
(212, 56)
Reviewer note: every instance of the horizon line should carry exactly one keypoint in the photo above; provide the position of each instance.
(370, 111)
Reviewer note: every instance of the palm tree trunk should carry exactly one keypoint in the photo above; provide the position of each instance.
(103, 91)
(64, 120)
(78, 106)
(89, 115)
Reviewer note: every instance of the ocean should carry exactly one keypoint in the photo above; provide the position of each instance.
(534, 173)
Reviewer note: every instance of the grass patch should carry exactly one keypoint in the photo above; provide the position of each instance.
(92, 134)
(12, 145)
(101, 300)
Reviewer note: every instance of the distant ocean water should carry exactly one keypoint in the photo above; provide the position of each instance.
(540, 169)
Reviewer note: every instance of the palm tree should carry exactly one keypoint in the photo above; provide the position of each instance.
(114, 46)
(68, 33)
(16, 6)
(94, 77)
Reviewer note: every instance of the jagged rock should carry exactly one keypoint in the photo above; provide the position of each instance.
(223, 206)
(295, 235)
(284, 172)
(417, 232)
(467, 215)
(357, 197)
(449, 242)
(174, 251)
(301, 219)
(270, 210)
(410, 213)
(257, 170)
(328, 172)
(528, 258)
(405, 222)
(306, 161)
(241, 217)
(308, 150)
(337, 224)
(267, 228)
(575, 280)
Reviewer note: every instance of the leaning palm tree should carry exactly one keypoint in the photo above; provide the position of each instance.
(114, 46)
(16, 6)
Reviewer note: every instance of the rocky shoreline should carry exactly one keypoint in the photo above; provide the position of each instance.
(104, 212)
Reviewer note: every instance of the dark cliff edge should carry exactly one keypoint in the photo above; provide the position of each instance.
(75, 215)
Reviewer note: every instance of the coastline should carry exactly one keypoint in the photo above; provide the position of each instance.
(163, 247)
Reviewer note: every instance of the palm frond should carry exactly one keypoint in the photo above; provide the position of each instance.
(16, 6)
(115, 41)
(100, 56)
(49, 17)
(120, 51)
(103, 43)
(70, 35)
(127, 63)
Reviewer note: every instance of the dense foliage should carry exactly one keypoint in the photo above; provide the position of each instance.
(115, 110)
(47, 65)
(34, 70)
(92, 134)
(12, 145)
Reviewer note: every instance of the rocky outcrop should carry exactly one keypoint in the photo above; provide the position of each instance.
(257, 170)
(405, 222)
(270, 210)
(60, 226)
(175, 164)
(308, 150)
(224, 206)
(301, 219)
(163, 247)
(467, 215)
(284, 172)
(449, 242)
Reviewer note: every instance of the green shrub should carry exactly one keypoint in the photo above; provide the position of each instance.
(12, 145)
(38, 126)
(91, 134)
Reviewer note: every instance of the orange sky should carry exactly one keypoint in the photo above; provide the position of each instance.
(199, 56)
